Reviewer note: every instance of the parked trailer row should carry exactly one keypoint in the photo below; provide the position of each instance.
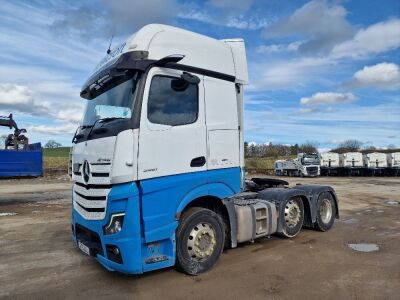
(356, 163)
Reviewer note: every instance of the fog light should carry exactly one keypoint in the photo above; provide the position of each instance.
(116, 251)
(115, 225)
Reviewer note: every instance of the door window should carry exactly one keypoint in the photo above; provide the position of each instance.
(172, 101)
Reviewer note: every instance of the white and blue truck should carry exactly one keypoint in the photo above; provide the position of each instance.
(158, 160)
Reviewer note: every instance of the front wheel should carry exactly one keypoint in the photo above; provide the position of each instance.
(326, 212)
(200, 239)
(292, 217)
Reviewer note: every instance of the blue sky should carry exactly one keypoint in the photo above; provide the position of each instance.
(323, 71)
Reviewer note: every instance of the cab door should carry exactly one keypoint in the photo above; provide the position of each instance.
(172, 138)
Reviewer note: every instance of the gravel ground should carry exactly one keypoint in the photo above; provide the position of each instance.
(358, 259)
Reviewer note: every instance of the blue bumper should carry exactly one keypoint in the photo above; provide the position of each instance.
(135, 254)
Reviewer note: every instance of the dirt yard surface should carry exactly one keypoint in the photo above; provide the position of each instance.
(38, 259)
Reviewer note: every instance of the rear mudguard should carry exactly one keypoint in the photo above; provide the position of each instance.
(309, 194)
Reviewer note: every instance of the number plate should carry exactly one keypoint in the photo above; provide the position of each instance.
(85, 249)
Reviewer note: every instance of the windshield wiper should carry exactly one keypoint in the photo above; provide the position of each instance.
(103, 120)
(97, 130)
(79, 136)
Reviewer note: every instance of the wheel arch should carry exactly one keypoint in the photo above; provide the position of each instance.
(308, 217)
(212, 196)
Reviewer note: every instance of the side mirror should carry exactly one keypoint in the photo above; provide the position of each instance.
(190, 78)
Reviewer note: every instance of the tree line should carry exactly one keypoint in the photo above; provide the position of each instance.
(275, 150)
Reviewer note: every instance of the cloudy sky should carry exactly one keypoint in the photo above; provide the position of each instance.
(320, 70)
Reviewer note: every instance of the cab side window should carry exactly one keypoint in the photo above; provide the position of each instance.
(172, 101)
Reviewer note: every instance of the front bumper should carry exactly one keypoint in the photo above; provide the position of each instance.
(122, 198)
(136, 256)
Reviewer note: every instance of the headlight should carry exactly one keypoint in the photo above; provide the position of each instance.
(115, 225)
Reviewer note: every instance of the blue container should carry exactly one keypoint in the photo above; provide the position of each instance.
(18, 163)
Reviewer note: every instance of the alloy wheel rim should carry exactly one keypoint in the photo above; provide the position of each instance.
(325, 211)
(201, 242)
(292, 213)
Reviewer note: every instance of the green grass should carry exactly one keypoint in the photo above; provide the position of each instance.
(56, 152)
(56, 158)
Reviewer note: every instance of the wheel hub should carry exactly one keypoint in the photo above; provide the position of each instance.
(292, 213)
(325, 211)
(201, 241)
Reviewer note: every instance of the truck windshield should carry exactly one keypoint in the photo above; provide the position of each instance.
(311, 160)
(116, 102)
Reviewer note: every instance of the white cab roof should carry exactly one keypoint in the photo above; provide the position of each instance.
(223, 56)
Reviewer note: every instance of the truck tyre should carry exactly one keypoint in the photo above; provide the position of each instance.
(200, 240)
(292, 216)
(326, 212)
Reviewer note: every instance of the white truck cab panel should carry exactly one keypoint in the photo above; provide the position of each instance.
(166, 149)
(222, 124)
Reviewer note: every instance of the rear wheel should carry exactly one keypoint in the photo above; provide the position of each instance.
(200, 239)
(326, 212)
(292, 217)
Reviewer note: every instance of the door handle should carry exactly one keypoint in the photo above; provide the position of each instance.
(198, 162)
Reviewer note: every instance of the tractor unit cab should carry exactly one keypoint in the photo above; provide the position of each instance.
(158, 161)
(310, 163)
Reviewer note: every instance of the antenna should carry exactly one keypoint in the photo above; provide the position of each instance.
(109, 47)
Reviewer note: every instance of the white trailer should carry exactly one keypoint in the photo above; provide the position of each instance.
(331, 163)
(304, 165)
(330, 160)
(353, 163)
(375, 160)
(375, 163)
(393, 160)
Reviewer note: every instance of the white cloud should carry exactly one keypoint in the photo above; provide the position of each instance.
(102, 18)
(286, 74)
(322, 24)
(330, 109)
(377, 38)
(328, 98)
(20, 98)
(238, 22)
(278, 48)
(307, 110)
(72, 115)
(232, 5)
(383, 76)
(67, 128)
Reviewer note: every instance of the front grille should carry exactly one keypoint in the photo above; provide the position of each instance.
(312, 171)
(90, 195)
(89, 238)
(91, 202)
